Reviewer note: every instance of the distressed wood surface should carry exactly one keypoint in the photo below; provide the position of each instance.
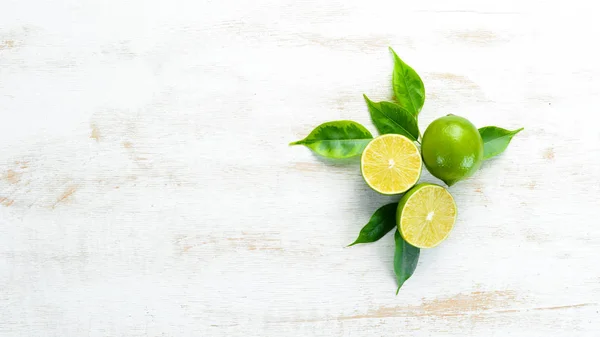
(147, 189)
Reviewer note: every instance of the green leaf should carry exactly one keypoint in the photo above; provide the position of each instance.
(382, 221)
(408, 86)
(405, 260)
(495, 140)
(391, 118)
(338, 139)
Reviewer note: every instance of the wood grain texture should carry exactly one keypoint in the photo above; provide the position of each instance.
(147, 188)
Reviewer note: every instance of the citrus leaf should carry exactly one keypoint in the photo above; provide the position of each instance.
(405, 260)
(392, 118)
(381, 222)
(338, 139)
(495, 140)
(408, 86)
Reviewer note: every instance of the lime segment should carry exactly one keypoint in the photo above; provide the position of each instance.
(426, 215)
(391, 164)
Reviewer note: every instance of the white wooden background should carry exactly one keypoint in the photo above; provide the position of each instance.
(147, 189)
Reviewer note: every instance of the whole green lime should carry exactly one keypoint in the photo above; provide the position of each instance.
(452, 149)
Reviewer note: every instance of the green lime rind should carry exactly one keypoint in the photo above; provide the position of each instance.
(452, 149)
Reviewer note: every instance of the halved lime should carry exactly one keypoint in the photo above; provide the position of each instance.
(426, 215)
(391, 164)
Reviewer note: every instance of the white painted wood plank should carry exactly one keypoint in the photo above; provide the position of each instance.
(147, 189)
